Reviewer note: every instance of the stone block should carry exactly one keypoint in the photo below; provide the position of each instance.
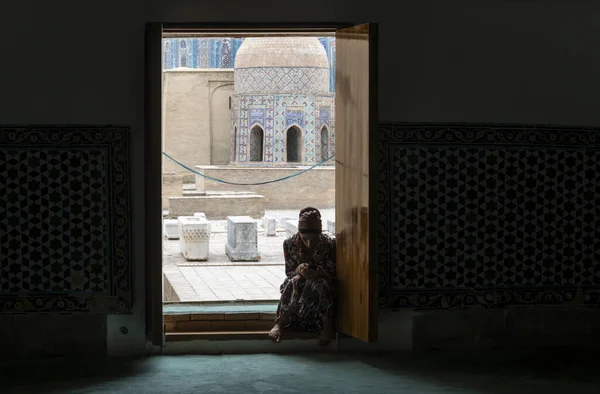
(270, 226)
(171, 228)
(200, 181)
(195, 236)
(285, 219)
(331, 226)
(291, 227)
(218, 206)
(199, 215)
(317, 186)
(242, 239)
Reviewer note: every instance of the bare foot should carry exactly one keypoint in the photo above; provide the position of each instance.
(275, 333)
(327, 334)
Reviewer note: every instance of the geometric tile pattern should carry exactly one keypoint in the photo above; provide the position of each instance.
(282, 103)
(221, 53)
(64, 231)
(39, 215)
(279, 112)
(294, 116)
(257, 116)
(325, 108)
(242, 120)
(281, 80)
(200, 52)
(488, 215)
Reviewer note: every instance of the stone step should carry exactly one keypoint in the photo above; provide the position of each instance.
(235, 335)
(219, 325)
(230, 316)
(193, 193)
(218, 206)
(206, 322)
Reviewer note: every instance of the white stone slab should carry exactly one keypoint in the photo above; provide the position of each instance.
(200, 215)
(331, 226)
(195, 237)
(291, 227)
(171, 228)
(269, 224)
(242, 239)
(284, 219)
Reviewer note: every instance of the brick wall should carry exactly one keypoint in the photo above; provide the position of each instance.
(315, 187)
(219, 322)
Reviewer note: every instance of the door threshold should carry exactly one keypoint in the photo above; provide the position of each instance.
(242, 342)
(233, 335)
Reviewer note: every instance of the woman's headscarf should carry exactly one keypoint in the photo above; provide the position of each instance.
(310, 218)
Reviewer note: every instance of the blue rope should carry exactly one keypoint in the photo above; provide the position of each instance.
(248, 184)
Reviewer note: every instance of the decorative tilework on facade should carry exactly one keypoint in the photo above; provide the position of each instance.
(200, 52)
(221, 53)
(281, 80)
(277, 114)
(286, 95)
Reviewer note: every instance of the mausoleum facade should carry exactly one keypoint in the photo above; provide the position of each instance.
(282, 110)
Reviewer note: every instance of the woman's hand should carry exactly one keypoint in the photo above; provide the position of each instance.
(307, 272)
(302, 269)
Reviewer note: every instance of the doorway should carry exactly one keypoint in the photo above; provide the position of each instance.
(241, 109)
(293, 144)
(257, 136)
(355, 109)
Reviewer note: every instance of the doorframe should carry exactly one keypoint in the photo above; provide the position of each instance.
(153, 158)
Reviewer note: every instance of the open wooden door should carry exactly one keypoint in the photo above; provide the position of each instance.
(355, 172)
(153, 183)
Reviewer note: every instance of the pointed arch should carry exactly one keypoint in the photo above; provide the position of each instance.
(293, 144)
(324, 143)
(257, 136)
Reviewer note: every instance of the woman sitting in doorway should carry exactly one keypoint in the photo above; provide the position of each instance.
(307, 294)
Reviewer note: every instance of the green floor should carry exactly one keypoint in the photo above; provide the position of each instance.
(547, 373)
(220, 308)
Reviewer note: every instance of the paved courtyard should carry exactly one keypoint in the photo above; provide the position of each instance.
(219, 279)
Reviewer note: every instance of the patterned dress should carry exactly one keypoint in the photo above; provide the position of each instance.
(307, 302)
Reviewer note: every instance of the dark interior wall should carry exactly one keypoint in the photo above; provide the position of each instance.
(471, 61)
(494, 61)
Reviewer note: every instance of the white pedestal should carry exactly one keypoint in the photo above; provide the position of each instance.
(242, 239)
(331, 226)
(200, 180)
(270, 226)
(171, 228)
(195, 237)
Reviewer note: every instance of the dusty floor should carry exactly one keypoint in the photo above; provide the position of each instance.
(492, 373)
